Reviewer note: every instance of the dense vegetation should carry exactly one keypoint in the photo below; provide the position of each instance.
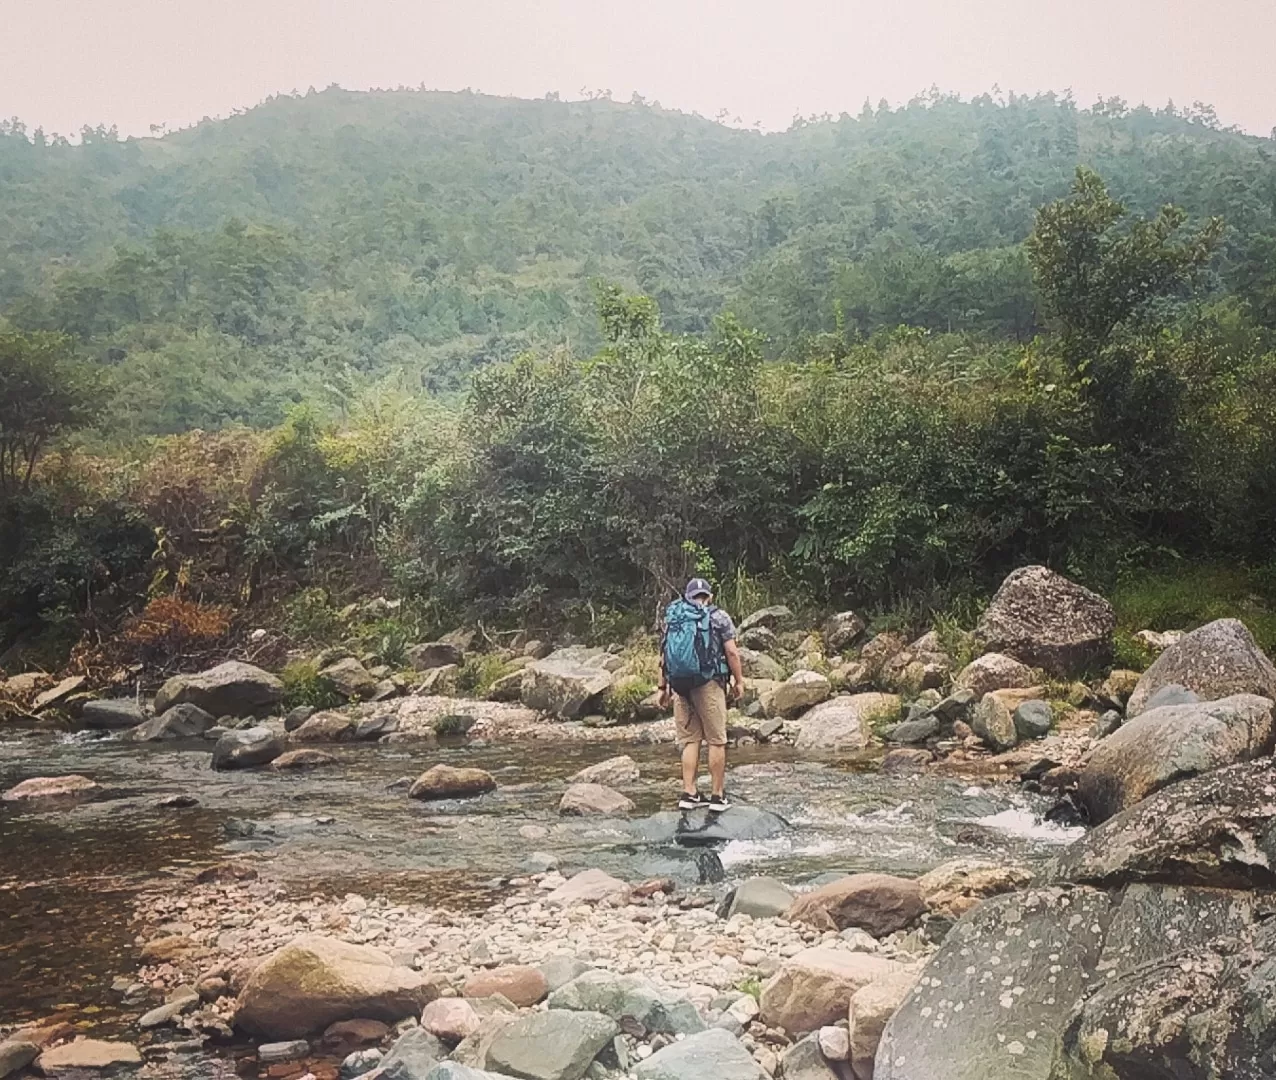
(880, 359)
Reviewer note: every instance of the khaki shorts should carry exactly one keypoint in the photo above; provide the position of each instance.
(703, 718)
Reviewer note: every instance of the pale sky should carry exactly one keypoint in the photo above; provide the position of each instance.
(134, 63)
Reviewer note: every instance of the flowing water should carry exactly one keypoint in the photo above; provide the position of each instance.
(69, 874)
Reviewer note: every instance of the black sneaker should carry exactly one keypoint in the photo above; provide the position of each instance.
(718, 803)
(692, 800)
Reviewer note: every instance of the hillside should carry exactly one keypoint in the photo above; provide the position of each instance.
(305, 246)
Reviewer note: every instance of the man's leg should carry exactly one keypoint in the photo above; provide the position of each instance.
(691, 765)
(717, 769)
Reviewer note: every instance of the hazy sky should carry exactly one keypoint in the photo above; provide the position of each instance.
(64, 63)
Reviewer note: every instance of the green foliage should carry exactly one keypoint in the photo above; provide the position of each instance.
(453, 724)
(623, 702)
(303, 685)
(1185, 597)
(310, 617)
(1129, 652)
(479, 672)
(751, 986)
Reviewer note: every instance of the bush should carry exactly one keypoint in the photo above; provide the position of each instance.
(453, 724)
(303, 685)
(174, 629)
(479, 672)
(623, 703)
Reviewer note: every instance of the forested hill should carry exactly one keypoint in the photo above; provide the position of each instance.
(290, 251)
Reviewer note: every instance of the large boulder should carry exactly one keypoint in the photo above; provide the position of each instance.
(584, 800)
(1043, 619)
(712, 1055)
(700, 828)
(1216, 661)
(878, 903)
(568, 684)
(554, 1045)
(1172, 743)
(798, 693)
(350, 679)
(776, 617)
(179, 722)
(761, 898)
(434, 654)
(112, 714)
(314, 981)
(815, 987)
(1217, 829)
(841, 630)
(757, 665)
(50, 787)
(953, 888)
(230, 689)
(621, 996)
(879, 650)
(871, 1008)
(247, 748)
(448, 782)
(325, 727)
(994, 671)
(845, 722)
(615, 770)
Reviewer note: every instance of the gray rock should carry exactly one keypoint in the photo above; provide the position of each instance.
(244, 749)
(1214, 830)
(230, 689)
(112, 714)
(776, 617)
(412, 1056)
(1106, 724)
(1013, 965)
(15, 1055)
(993, 720)
(759, 638)
(993, 671)
(845, 722)
(269, 1053)
(452, 1070)
(758, 665)
(360, 1062)
(179, 722)
(1044, 620)
(350, 679)
(618, 996)
(1216, 661)
(911, 732)
(841, 631)
(1172, 743)
(1033, 719)
(761, 898)
(297, 717)
(698, 828)
(1171, 694)
(567, 684)
(956, 706)
(181, 1001)
(560, 970)
(554, 1045)
(372, 728)
(797, 694)
(805, 1061)
(711, 1055)
(434, 654)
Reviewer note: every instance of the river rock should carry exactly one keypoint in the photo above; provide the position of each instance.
(507, 688)
(112, 714)
(560, 970)
(1118, 686)
(350, 679)
(415, 1054)
(314, 981)
(620, 996)
(1170, 694)
(798, 693)
(761, 898)
(815, 987)
(447, 782)
(906, 761)
(878, 903)
(804, 1060)
(55, 695)
(434, 654)
(307, 758)
(247, 748)
(841, 630)
(912, 732)
(759, 638)
(879, 650)
(994, 1001)
(272, 1053)
(871, 1008)
(585, 800)
(524, 986)
(953, 888)
(711, 1055)
(450, 1019)
(1043, 619)
(180, 722)
(49, 787)
(615, 770)
(1033, 719)
(993, 719)
(1172, 743)
(554, 1045)
(776, 617)
(994, 671)
(758, 665)
(94, 1054)
(454, 1070)
(1218, 660)
(298, 716)
(15, 1055)
(846, 722)
(1217, 829)
(1159, 641)
(325, 727)
(345, 1035)
(589, 887)
(566, 684)
(700, 828)
(230, 689)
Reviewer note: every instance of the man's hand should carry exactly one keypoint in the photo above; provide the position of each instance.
(666, 697)
(736, 690)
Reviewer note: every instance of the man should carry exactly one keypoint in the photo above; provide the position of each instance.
(698, 656)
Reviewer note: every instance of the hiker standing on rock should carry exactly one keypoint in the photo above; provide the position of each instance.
(699, 669)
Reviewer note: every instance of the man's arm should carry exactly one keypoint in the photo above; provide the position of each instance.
(732, 651)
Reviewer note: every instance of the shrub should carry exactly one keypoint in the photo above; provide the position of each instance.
(170, 628)
(624, 702)
(479, 672)
(303, 685)
(453, 724)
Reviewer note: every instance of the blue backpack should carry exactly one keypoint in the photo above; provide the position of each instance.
(693, 653)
